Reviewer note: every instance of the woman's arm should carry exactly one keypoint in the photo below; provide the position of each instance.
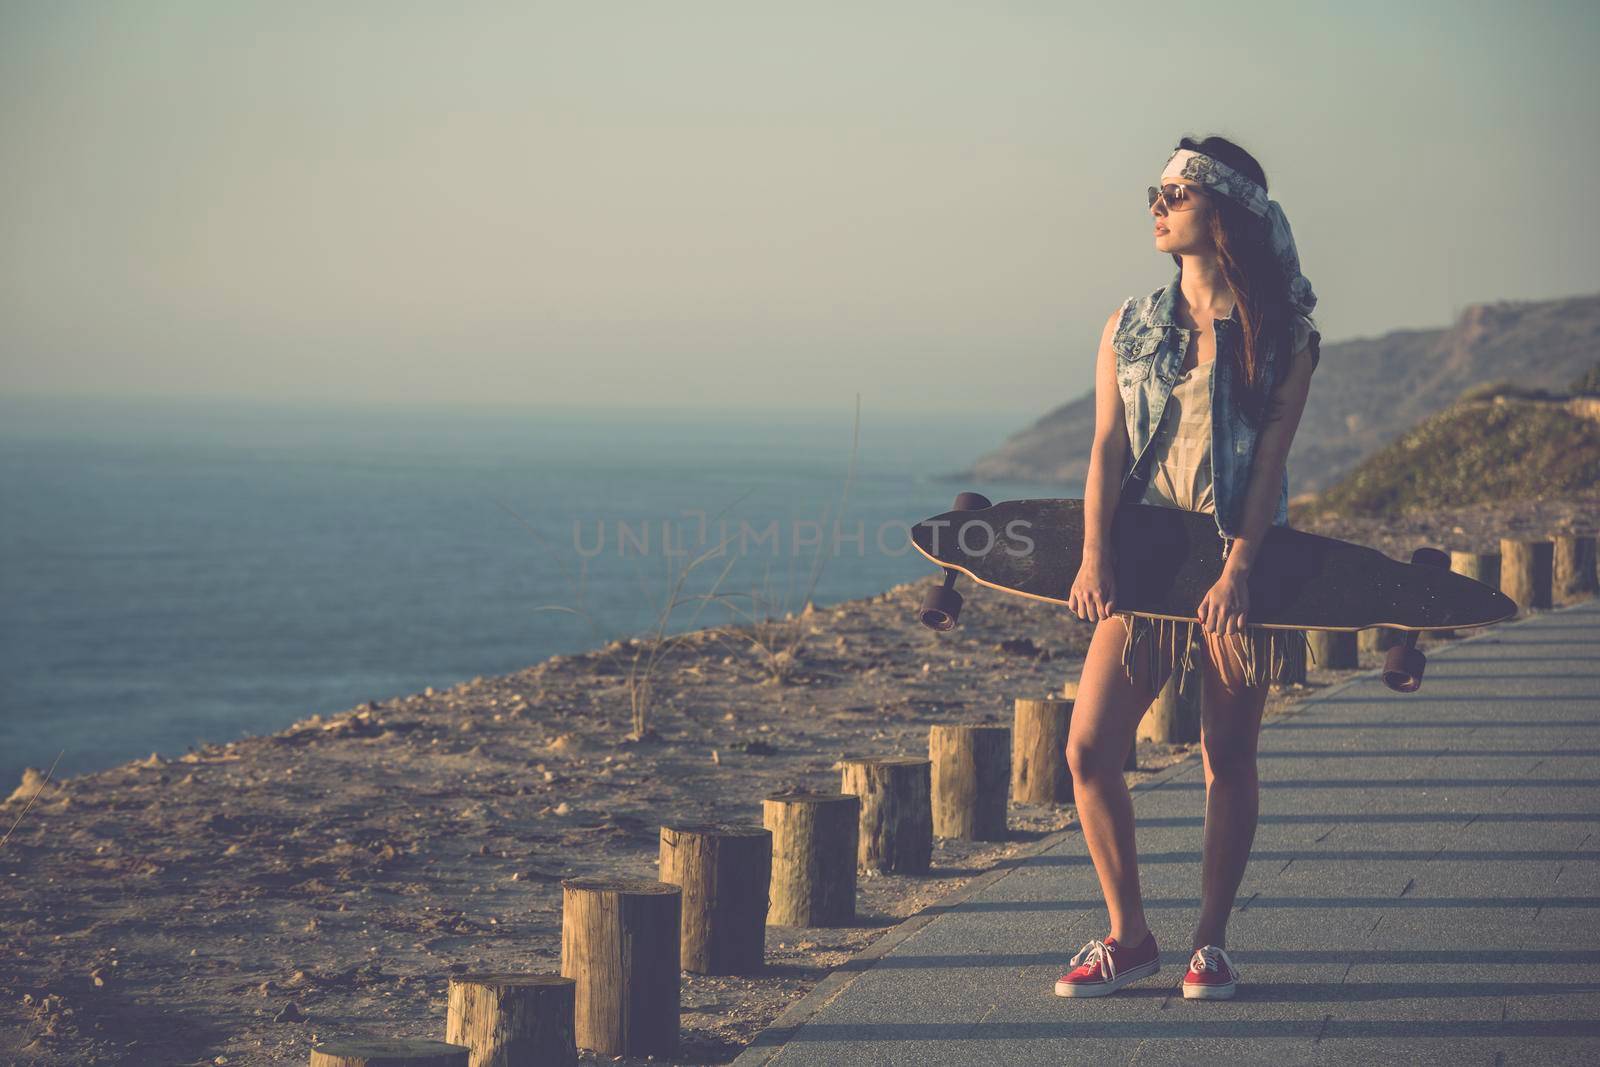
(1272, 453)
(1109, 450)
(1093, 595)
(1226, 606)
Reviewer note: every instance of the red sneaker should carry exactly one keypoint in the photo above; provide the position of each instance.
(1103, 967)
(1211, 975)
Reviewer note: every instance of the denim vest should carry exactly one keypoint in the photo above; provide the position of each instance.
(1150, 348)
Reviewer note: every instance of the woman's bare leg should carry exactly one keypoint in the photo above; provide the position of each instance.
(1229, 730)
(1105, 717)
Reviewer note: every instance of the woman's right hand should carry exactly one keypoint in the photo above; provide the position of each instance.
(1094, 591)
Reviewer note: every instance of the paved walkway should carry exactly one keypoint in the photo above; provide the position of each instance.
(1425, 888)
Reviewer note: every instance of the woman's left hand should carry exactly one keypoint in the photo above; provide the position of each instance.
(1224, 608)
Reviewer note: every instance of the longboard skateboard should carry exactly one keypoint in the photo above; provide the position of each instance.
(1166, 559)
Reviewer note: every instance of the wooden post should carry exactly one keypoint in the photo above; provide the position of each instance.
(1479, 566)
(1377, 640)
(510, 1019)
(1573, 570)
(383, 1052)
(1333, 650)
(1293, 669)
(970, 779)
(725, 872)
(1039, 753)
(813, 857)
(1482, 567)
(620, 939)
(896, 812)
(1173, 717)
(1526, 570)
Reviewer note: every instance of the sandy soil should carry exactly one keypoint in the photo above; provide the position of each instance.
(240, 903)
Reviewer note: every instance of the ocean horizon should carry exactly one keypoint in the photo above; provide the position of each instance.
(181, 571)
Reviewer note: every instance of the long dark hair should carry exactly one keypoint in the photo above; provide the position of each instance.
(1251, 270)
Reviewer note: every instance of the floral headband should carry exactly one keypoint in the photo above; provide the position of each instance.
(1219, 177)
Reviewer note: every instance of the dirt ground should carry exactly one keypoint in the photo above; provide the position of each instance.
(1471, 528)
(242, 902)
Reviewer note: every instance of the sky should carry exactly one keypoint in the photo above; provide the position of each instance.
(741, 206)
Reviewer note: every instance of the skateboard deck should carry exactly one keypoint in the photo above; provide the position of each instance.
(1165, 561)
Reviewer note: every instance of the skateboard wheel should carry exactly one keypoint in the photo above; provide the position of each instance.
(1402, 669)
(1431, 557)
(971, 502)
(941, 608)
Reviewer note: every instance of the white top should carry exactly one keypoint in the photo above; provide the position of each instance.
(1180, 463)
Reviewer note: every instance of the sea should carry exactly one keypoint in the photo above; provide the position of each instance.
(177, 571)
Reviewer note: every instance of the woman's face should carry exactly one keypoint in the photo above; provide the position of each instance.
(1185, 231)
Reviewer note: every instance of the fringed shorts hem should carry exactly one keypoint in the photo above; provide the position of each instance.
(1255, 650)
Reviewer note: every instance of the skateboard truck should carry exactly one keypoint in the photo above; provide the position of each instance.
(942, 606)
(1402, 668)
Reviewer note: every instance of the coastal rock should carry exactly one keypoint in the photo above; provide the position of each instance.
(33, 782)
(1019, 646)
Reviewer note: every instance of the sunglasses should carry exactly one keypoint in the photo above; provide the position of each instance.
(1176, 197)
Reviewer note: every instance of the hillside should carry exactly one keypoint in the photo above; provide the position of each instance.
(1365, 392)
(1497, 444)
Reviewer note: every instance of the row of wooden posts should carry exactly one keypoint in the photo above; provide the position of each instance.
(624, 942)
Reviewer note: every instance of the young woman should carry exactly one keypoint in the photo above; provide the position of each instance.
(1199, 388)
